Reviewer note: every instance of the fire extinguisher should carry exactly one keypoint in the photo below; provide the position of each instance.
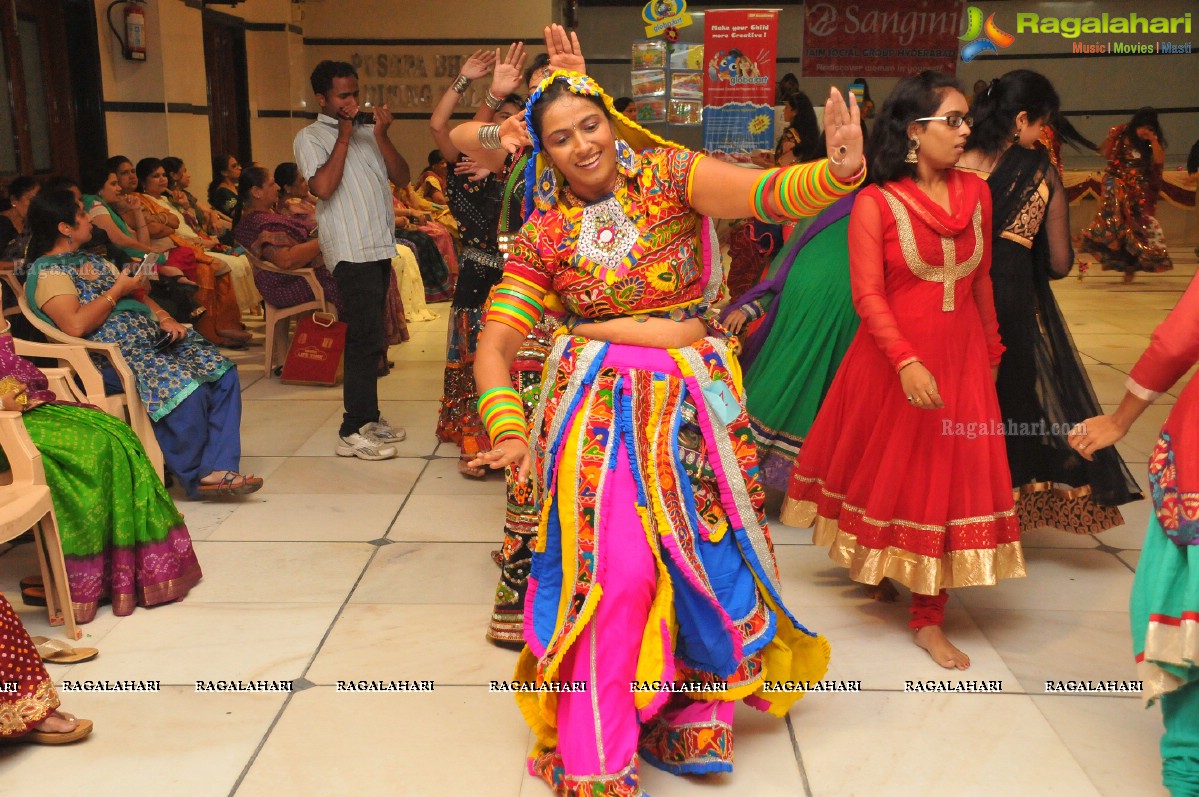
(133, 43)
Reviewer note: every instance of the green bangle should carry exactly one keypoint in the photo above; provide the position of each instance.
(758, 191)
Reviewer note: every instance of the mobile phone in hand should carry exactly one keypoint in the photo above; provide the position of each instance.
(366, 116)
(148, 267)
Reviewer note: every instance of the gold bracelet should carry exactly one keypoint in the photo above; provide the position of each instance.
(110, 300)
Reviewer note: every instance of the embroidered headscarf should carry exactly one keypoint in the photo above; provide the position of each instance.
(542, 180)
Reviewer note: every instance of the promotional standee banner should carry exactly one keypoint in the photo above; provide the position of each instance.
(740, 49)
(881, 38)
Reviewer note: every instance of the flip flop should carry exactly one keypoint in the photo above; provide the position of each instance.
(232, 483)
(82, 730)
(56, 652)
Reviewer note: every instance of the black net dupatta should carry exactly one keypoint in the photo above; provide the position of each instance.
(1063, 387)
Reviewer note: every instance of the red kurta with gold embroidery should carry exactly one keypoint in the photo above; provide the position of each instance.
(921, 496)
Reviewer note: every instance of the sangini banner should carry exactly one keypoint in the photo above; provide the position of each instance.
(740, 48)
(881, 38)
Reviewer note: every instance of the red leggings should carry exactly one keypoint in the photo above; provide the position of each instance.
(928, 609)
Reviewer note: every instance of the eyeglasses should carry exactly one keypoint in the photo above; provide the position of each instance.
(952, 121)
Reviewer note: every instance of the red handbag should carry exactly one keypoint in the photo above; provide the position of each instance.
(316, 354)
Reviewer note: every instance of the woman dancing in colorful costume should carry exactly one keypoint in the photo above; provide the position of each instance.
(653, 565)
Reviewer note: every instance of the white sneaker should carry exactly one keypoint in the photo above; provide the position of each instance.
(364, 446)
(384, 431)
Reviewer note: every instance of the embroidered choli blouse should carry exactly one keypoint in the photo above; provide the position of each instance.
(636, 251)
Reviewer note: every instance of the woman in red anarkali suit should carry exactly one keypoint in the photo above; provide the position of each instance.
(904, 474)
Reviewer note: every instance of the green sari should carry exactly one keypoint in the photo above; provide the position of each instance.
(122, 536)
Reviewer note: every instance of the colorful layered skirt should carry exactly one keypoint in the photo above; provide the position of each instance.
(653, 566)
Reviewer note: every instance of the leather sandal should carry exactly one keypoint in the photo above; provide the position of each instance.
(33, 596)
(83, 728)
(57, 652)
(232, 483)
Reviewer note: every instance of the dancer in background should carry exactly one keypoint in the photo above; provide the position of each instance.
(895, 474)
(476, 204)
(1125, 235)
(1043, 388)
(506, 627)
(1165, 592)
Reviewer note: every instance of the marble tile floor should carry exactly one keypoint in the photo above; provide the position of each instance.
(345, 570)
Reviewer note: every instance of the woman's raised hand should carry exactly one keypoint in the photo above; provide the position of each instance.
(843, 133)
(514, 134)
(507, 77)
(479, 64)
(564, 50)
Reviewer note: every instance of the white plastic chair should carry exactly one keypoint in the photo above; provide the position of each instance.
(277, 317)
(127, 405)
(26, 504)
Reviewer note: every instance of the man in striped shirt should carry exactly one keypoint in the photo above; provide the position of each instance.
(348, 164)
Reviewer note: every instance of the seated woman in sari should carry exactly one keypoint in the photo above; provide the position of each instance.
(30, 713)
(432, 243)
(642, 403)
(190, 391)
(222, 191)
(167, 227)
(431, 183)
(438, 214)
(285, 241)
(198, 214)
(106, 206)
(294, 197)
(137, 552)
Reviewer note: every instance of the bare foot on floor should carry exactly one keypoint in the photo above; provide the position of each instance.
(466, 470)
(932, 638)
(883, 591)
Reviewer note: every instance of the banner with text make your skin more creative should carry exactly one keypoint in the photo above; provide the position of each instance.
(740, 48)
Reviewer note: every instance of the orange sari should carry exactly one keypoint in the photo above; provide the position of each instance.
(215, 291)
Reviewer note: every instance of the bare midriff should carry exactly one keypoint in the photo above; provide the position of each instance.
(658, 333)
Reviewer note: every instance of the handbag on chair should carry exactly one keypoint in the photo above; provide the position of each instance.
(316, 355)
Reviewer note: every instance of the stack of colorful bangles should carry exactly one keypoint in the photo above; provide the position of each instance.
(801, 190)
(503, 415)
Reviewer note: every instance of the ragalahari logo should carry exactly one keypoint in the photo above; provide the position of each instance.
(982, 37)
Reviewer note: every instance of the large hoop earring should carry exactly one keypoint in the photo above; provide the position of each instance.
(626, 158)
(913, 148)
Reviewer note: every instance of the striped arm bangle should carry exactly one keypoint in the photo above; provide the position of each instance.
(489, 137)
(493, 102)
(503, 415)
(460, 84)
